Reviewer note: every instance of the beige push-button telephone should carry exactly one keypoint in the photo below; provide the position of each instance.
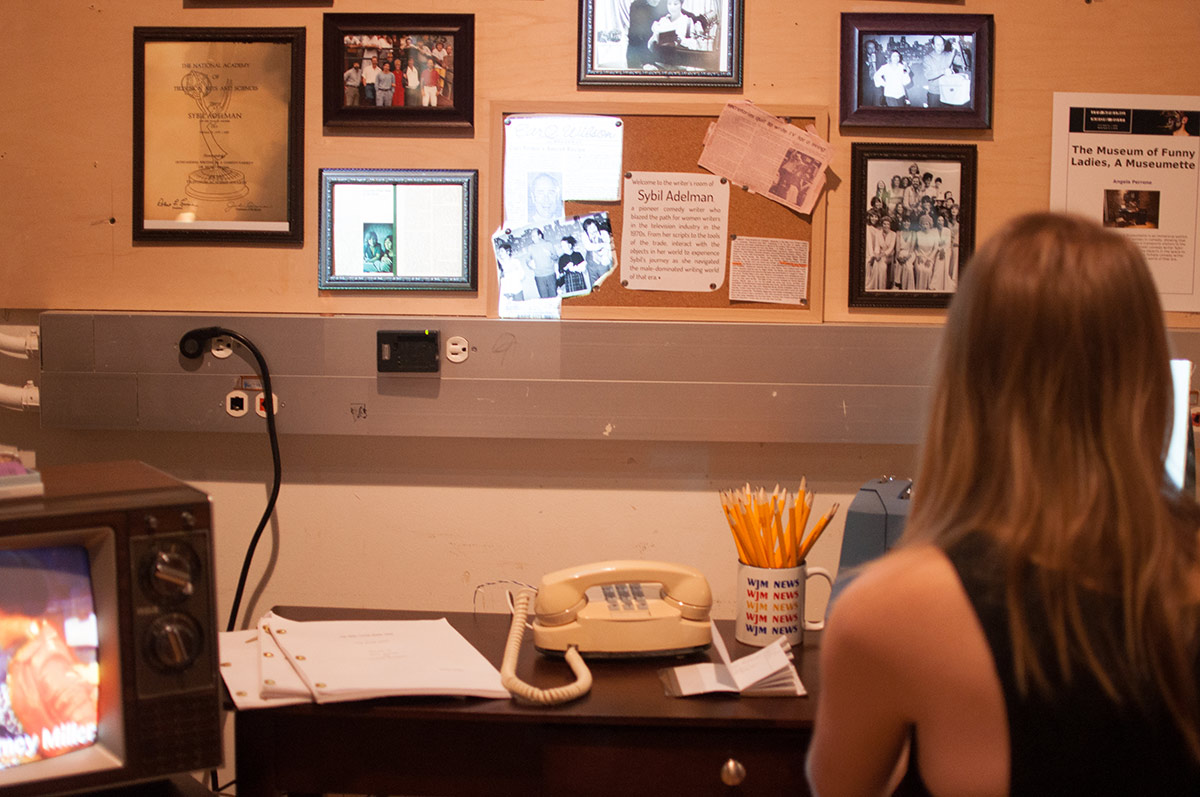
(628, 620)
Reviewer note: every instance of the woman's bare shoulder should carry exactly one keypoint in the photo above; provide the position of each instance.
(911, 590)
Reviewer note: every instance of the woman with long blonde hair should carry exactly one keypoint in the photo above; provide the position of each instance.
(1037, 629)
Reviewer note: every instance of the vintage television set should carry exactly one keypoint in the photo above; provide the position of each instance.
(108, 643)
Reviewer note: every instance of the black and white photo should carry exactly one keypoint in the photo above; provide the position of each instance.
(660, 42)
(916, 70)
(912, 223)
(564, 258)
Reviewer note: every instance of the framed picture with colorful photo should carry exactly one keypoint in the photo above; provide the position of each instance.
(916, 70)
(912, 222)
(400, 70)
(672, 43)
(398, 229)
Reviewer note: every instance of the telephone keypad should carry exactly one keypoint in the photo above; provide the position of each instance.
(625, 598)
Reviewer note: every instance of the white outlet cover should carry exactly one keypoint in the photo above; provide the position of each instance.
(221, 347)
(457, 349)
(260, 406)
(237, 403)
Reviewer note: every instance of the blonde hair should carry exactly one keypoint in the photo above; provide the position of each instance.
(1048, 429)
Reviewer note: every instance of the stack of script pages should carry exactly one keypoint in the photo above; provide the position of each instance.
(289, 661)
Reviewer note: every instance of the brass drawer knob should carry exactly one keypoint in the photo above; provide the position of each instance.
(733, 773)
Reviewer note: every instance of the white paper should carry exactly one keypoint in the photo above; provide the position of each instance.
(549, 159)
(277, 678)
(767, 672)
(1118, 159)
(768, 270)
(239, 653)
(425, 223)
(674, 231)
(532, 308)
(359, 659)
(757, 667)
(429, 230)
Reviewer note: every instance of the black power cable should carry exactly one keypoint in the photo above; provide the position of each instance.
(192, 345)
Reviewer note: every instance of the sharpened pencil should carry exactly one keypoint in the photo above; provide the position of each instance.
(818, 529)
(769, 528)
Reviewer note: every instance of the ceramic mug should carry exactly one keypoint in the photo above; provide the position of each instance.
(770, 603)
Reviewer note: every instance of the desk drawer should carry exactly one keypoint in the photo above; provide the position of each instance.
(629, 760)
(314, 752)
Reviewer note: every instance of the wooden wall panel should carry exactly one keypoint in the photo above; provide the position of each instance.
(66, 139)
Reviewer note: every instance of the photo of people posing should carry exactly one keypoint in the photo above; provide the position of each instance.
(569, 257)
(660, 35)
(379, 249)
(390, 70)
(916, 71)
(912, 226)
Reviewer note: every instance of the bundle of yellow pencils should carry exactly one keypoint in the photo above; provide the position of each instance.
(768, 528)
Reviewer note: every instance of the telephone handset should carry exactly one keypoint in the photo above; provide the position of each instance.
(628, 622)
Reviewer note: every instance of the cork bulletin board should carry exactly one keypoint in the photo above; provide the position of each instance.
(670, 138)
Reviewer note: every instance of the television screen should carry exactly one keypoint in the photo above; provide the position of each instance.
(49, 673)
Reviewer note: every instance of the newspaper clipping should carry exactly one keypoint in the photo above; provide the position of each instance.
(767, 155)
(1130, 162)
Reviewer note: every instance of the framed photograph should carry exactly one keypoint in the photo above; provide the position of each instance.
(400, 70)
(218, 135)
(660, 43)
(398, 229)
(917, 70)
(912, 222)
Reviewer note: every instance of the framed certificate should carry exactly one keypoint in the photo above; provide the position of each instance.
(218, 140)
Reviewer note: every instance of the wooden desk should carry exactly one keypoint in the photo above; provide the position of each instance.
(625, 737)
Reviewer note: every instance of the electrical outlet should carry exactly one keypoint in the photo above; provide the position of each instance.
(457, 349)
(260, 404)
(221, 346)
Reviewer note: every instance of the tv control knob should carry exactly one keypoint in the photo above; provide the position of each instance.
(175, 641)
(170, 571)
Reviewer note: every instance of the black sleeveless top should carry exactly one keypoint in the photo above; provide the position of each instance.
(1075, 741)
